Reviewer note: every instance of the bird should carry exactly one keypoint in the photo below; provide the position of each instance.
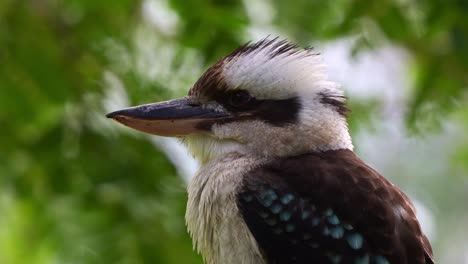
(279, 181)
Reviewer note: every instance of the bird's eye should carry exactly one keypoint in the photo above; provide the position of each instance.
(239, 99)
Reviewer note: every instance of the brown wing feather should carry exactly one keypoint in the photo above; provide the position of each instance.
(358, 194)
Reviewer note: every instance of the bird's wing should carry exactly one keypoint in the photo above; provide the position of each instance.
(330, 208)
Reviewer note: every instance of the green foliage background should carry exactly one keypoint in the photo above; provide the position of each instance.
(74, 188)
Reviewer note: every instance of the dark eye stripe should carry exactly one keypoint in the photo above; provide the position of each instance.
(239, 100)
(276, 112)
(279, 112)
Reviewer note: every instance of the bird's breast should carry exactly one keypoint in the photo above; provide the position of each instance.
(218, 231)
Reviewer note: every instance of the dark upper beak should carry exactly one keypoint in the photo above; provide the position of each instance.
(176, 117)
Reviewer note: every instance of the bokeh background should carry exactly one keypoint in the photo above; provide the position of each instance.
(78, 188)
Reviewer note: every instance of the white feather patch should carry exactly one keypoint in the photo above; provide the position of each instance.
(277, 70)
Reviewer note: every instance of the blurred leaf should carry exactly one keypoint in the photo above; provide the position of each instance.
(76, 189)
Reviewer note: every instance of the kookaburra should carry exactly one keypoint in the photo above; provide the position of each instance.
(279, 181)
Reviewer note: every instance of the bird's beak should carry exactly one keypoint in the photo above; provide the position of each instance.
(176, 117)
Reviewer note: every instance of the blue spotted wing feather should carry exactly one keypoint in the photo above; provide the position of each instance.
(329, 209)
(294, 230)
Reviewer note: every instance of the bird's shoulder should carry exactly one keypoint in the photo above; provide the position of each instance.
(330, 207)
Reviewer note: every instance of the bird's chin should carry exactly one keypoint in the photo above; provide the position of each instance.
(205, 147)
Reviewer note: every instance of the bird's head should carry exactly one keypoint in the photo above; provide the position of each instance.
(269, 98)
